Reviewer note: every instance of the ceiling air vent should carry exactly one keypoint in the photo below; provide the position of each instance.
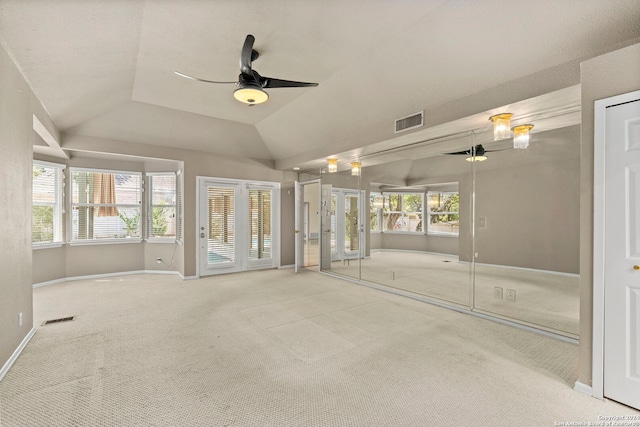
(410, 122)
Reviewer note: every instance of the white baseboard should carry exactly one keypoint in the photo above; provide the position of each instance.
(285, 266)
(102, 276)
(583, 388)
(16, 353)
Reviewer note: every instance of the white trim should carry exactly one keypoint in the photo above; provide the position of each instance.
(282, 267)
(105, 275)
(532, 270)
(9, 363)
(50, 245)
(599, 137)
(123, 240)
(583, 388)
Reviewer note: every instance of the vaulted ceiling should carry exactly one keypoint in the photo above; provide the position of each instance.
(106, 68)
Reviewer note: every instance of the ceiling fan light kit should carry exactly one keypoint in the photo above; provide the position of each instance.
(251, 94)
(332, 165)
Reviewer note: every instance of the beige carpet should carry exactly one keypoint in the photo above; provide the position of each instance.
(270, 348)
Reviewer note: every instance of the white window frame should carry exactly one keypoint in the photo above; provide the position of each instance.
(430, 213)
(118, 240)
(150, 206)
(403, 212)
(378, 212)
(58, 206)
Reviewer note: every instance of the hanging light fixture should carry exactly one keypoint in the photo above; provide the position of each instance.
(501, 126)
(355, 168)
(332, 165)
(521, 136)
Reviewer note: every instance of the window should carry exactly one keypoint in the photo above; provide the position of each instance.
(105, 205)
(47, 203)
(444, 212)
(161, 215)
(376, 202)
(259, 224)
(402, 212)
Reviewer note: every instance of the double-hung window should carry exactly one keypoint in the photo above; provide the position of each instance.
(47, 204)
(402, 212)
(444, 213)
(163, 206)
(105, 205)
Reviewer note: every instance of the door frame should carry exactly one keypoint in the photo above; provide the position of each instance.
(597, 368)
(299, 220)
(242, 184)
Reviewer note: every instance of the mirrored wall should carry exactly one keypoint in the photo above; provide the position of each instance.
(499, 236)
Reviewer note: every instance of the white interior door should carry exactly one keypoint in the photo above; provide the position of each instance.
(622, 254)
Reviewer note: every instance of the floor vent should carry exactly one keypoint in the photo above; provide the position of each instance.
(446, 260)
(410, 122)
(62, 319)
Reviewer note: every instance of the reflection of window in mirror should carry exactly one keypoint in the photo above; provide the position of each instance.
(443, 212)
(397, 212)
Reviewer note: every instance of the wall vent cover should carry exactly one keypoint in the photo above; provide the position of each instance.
(62, 319)
(409, 122)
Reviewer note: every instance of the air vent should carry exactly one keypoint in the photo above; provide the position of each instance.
(410, 122)
(62, 319)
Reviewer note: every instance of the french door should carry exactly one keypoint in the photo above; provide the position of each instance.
(238, 225)
(346, 223)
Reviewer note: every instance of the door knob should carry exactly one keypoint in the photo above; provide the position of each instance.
(636, 267)
(202, 235)
(296, 231)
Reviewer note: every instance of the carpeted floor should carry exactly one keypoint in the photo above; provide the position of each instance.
(271, 348)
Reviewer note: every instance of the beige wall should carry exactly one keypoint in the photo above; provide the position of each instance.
(17, 104)
(608, 75)
(101, 259)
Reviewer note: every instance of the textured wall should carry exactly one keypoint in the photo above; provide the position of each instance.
(16, 130)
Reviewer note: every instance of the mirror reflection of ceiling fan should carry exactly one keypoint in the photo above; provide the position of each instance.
(250, 84)
(475, 154)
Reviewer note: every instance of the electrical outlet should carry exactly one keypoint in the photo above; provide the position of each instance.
(482, 222)
(20, 319)
(511, 295)
(497, 292)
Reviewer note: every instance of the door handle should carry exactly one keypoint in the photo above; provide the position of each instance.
(296, 231)
(202, 235)
(636, 267)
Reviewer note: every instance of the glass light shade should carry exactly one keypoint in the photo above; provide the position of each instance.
(332, 165)
(501, 126)
(476, 158)
(355, 168)
(521, 136)
(251, 94)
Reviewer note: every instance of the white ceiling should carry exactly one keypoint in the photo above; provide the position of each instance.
(105, 68)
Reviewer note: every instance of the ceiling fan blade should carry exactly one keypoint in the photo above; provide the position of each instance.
(198, 79)
(268, 82)
(246, 56)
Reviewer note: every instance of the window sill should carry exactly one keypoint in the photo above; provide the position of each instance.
(105, 242)
(47, 245)
(162, 240)
(443, 235)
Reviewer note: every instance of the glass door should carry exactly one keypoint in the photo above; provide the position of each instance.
(238, 226)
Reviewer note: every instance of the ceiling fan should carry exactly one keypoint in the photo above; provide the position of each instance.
(250, 83)
(475, 154)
